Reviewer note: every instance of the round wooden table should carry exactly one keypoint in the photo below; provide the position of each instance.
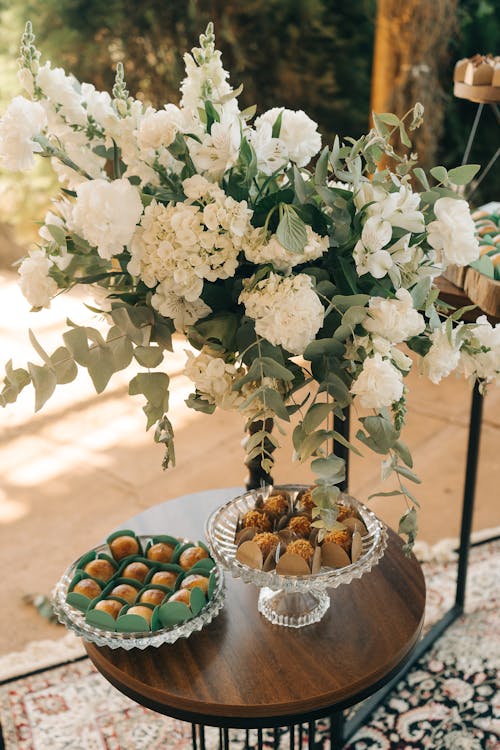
(242, 671)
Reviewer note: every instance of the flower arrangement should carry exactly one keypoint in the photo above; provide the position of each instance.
(201, 220)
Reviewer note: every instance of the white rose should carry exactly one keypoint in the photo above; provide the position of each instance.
(36, 284)
(379, 383)
(287, 311)
(22, 121)
(444, 355)
(453, 232)
(394, 319)
(159, 128)
(298, 132)
(106, 214)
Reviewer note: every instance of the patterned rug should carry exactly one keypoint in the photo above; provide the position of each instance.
(449, 701)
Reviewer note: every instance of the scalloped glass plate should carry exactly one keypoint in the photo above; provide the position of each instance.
(299, 600)
(73, 619)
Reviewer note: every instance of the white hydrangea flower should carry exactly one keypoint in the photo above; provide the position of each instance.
(379, 383)
(444, 355)
(22, 121)
(452, 233)
(281, 258)
(394, 319)
(485, 363)
(183, 312)
(298, 133)
(214, 379)
(159, 128)
(60, 90)
(36, 284)
(286, 310)
(106, 214)
(184, 244)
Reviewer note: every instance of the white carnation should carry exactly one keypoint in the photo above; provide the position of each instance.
(106, 214)
(287, 311)
(159, 128)
(36, 284)
(394, 319)
(453, 232)
(444, 355)
(485, 362)
(379, 383)
(22, 121)
(298, 133)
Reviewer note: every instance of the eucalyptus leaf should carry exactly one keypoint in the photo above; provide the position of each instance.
(321, 347)
(121, 348)
(14, 382)
(312, 442)
(273, 369)
(44, 382)
(421, 177)
(321, 171)
(152, 385)
(77, 343)
(407, 474)
(440, 174)
(331, 468)
(101, 366)
(199, 404)
(403, 452)
(316, 415)
(381, 431)
(38, 348)
(148, 356)
(343, 302)
(464, 174)
(273, 400)
(63, 365)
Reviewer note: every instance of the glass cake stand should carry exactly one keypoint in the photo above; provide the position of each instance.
(73, 619)
(291, 601)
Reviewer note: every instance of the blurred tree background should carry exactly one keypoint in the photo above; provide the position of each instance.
(314, 55)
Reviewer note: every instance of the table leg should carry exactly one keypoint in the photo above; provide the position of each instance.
(311, 733)
(291, 731)
(476, 414)
(336, 731)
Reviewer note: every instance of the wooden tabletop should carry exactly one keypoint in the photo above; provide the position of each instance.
(241, 670)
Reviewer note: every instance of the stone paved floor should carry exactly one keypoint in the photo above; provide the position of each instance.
(72, 472)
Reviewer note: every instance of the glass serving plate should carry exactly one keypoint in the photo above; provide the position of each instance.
(73, 619)
(291, 601)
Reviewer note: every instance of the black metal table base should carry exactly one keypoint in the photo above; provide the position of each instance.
(292, 736)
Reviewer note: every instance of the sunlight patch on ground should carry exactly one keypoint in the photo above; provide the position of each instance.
(11, 510)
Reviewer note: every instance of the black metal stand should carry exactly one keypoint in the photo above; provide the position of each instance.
(361, 716)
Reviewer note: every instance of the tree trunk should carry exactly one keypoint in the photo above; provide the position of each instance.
(411, 63)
